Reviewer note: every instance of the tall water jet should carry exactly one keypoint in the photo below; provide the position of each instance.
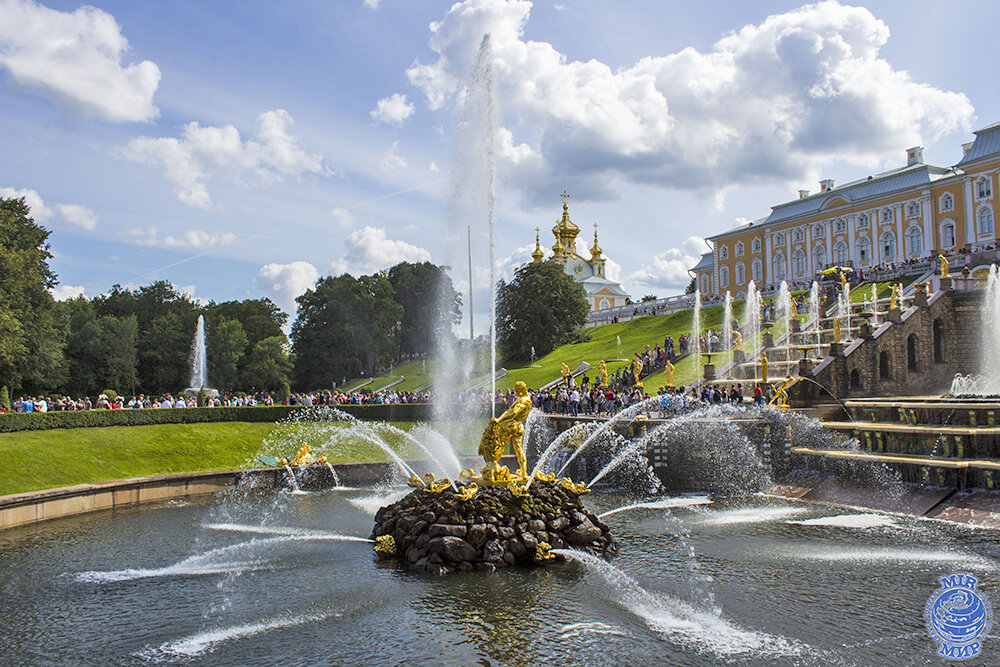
(845, 294)
(785, 305)
(987, 382)
(472, 204)
(696, 333)
(875, 305)
(727, 331)
(199, 365)
(753, 320)
(815, 307)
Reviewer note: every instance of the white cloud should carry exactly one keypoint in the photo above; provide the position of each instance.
(391, 161)
(194, 239)
(369, 249)
(371, 4)
(188, 291)
(768, 103)
(77, 215)
(284, 282)
(669, 269)
(343, 217)
(433, 167)
(39, 211)
(393, 110)
(63, 292)
(75, 59)
(189, 161)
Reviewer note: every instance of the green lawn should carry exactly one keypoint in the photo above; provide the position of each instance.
(35, 460)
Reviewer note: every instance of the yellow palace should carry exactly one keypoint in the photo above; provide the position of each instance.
(909, 213)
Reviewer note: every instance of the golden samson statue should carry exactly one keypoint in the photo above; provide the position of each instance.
(508, 427)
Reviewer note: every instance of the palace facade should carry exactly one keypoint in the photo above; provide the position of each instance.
(905, 214)
(588, 272)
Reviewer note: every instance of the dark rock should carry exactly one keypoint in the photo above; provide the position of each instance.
(508, 558)
(536, 525)
(582, 533)
(476, 535)
(454, 549)
(429, 517)
(441, 529)
(558, 524)
(422, 541)
(577, 517)
(437, 569)
(421, 563)
(557, 543)
(413, 554)
(418, 527)
(435, 558)
(493, 551)
(517, 548)
(505, 532)
(529, 541)
(464, 566)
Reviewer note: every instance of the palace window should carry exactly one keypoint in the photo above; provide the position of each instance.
(799, 263)
(779, 240)
(798, 236)
(724, 277)
(865, 250)
(888, 247)
(724, 252)
(757, 271)
(739, 248)
(755, 245)
(887, 215)
(948, 235)
(863, 220)
(840, 226)
(985, 221)
(779, 267)
(913, 209)
(741, 273)
(984, 188)
(915, 239)
(947, 202)
(820, 230)
(819, 257)
(840, 253)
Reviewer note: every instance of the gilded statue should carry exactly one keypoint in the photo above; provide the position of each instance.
(637, 369)
(566, 374)
(670, 374)
(737, 339)
(836, 331)
(894, 294)
(602, 374)
(508, 427)
(763, 367)
(944, 266)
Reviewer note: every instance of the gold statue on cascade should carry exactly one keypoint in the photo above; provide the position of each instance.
(508, 427)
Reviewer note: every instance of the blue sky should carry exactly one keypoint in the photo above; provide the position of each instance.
(244, 149)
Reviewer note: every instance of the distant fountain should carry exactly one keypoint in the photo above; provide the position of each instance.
(753, 304)
(846, 296)
(875, 305)
(618, 347)
(785, 304)
(696, 333)
(727, 331)
(987, 382)
(814, 305)
(199, 362)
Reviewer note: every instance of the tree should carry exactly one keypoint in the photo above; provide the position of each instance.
(260, 318)
(648, 297)
(225, 343)
(690, 288)
(268, 366)
(542, 307)
(30, 348)
(431, 306)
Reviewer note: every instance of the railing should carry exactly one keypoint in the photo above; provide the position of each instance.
(665, 306)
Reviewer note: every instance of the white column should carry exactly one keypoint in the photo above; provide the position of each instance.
(970, 222)
(851, 231)
(930, 233)
(715, 269)
(810, 269)
(900, 243)
(767, 270)
(873, 223)
(829, 241)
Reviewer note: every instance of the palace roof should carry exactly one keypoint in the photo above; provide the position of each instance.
(987, 143)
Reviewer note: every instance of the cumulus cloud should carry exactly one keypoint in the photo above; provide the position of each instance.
(767, 103)
(369, 249)
(195, 239)
(64, 292)
(284, 282)
(77, 215)
(189, 161)
(343, 217)
(73, 214)
(76, 59)
(393, 110)
(668, 270)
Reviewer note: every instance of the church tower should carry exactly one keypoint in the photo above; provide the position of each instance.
(597, 260)
(565, 232)
(538, 255)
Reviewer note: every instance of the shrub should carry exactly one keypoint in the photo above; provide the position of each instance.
(4, 398)
(111, 394)
(283, 392)
(202, 398)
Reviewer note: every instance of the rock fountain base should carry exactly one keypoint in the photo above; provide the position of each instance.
(437, 530)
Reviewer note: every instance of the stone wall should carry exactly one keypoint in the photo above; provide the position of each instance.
(916, 355)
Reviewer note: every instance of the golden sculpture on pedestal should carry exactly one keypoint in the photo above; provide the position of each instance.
(566, 374)
(763, 367)
(836, 331)
(637, 370)
(670, 374)
(508, 427)
(944, 267)
(602, 374)
(894, 294)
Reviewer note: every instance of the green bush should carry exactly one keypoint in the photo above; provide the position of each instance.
(111, 394)
(39, 421)
(4, 398)
(202, 397)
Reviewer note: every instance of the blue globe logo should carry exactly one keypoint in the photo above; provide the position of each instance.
(959, 616)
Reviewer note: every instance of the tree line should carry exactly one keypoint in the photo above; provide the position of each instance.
(140, 340)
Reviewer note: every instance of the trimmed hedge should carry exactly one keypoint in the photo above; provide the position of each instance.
(40, 421)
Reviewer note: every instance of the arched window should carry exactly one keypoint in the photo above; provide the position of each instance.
(819, 257)
(915, 239)
(724, 252)
(798, 236)
(779, 240)
(913, 209)
(865, 251)
(755, 245)
(799, 263)
(840, 226)
(946, 203)
(855, 379)
(819, 231)
(863, 220)
(948, 234)
(604, 303)
(984, 188)
(706, 284)
(724, 277)
(840, 253)
(779, 267)
(739, 248)
(757, 271)
(741, 273)
(888, 243)
(883, 365)
(887, 215)
(985, 221)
